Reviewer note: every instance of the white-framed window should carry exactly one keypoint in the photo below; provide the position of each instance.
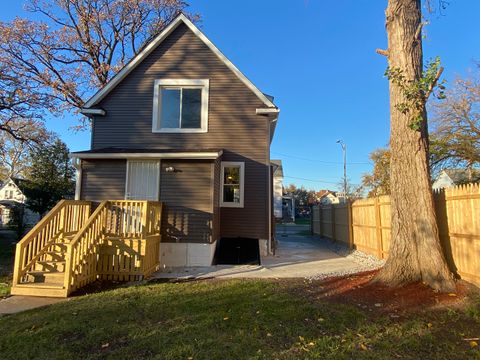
(8, 194)
(180, 105)
(232, 184)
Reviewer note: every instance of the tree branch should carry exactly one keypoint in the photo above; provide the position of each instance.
(434, 83)
(382, 52)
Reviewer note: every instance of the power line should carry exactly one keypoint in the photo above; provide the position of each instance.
(318, 181)
(321, 161)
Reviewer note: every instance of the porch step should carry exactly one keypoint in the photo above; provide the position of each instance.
(54, 278)
(54, 256)
(36, 289)
(59, 247)
(50, 265)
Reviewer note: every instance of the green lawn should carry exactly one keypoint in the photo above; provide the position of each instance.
(302, 221)
(235, 319)
(7, 251)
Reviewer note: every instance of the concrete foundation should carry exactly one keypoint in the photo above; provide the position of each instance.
(186, 254)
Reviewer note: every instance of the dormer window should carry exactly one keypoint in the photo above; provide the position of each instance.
(180, 105)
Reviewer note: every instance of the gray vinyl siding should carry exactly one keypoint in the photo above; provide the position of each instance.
(232, 124)
(188, 201)
(103, 180)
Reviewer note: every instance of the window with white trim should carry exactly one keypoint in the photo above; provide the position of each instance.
(232, 184)
(180, 105)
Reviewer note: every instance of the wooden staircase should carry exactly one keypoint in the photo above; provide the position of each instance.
(66, 249)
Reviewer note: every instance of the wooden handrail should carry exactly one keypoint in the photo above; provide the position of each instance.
(89, 222)
(81, 251)
(28, 237)
(45, 233)
(119, 221)
(123, 218)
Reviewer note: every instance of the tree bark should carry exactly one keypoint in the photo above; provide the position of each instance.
(415, 253)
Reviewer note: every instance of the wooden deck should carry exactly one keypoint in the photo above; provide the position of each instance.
(72, 247)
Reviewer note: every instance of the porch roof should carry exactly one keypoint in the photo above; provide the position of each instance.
(127, 153)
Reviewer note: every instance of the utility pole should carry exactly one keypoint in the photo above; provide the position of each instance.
(344, 149)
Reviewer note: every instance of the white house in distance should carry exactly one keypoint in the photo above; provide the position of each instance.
(452, 177)
(328, 197)
(283, 205)
(277, 187)
(11, 194)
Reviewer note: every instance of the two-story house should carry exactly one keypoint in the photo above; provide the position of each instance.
(181, 124)
(11, 194)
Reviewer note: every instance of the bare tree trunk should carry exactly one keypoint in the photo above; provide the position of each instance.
(415, 253)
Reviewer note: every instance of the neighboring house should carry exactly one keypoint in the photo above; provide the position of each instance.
(452, 177)
(277, 188)
(182, 125)
(329, 197)
(11, 194)
(288, 208)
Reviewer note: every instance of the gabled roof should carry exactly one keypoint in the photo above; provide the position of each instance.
(462, 176)
(323, 193)
(278, 167)
(19, 183)
(132, 64)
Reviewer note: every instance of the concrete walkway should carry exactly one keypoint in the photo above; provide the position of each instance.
(15, 304)
(298, 255)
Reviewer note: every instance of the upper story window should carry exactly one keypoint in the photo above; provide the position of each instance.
(232, 182)
(180, 105)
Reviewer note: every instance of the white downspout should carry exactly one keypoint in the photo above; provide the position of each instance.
(270, 181)
(77, 163)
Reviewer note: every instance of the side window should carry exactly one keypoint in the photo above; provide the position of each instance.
(232, 184)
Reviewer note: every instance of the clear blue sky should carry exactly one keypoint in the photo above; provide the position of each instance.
(318, 59)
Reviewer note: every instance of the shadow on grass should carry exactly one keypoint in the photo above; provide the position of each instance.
(234, 319)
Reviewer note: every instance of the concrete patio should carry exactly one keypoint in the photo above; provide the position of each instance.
(297, 255)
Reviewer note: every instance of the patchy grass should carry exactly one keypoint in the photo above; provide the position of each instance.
(234, 319)
(7, 254)
(302, 221)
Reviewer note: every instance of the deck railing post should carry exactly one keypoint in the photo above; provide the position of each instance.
(16, 269)
(68, 269)
(62, 219)
(145, 218)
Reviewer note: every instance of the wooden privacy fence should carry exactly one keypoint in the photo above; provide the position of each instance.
(365, 225)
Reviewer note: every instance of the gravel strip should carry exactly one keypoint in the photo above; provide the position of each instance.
(365, 262)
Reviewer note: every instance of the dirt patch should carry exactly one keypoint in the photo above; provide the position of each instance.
(99, 286)
(358, 290)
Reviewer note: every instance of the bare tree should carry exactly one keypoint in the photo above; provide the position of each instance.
(378, 182)
(15, 151)
(416, 253)
(21, 106)
(456, 133)
(80, 44)
(13, 156)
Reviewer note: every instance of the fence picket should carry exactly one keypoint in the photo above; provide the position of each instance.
(458, 214)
